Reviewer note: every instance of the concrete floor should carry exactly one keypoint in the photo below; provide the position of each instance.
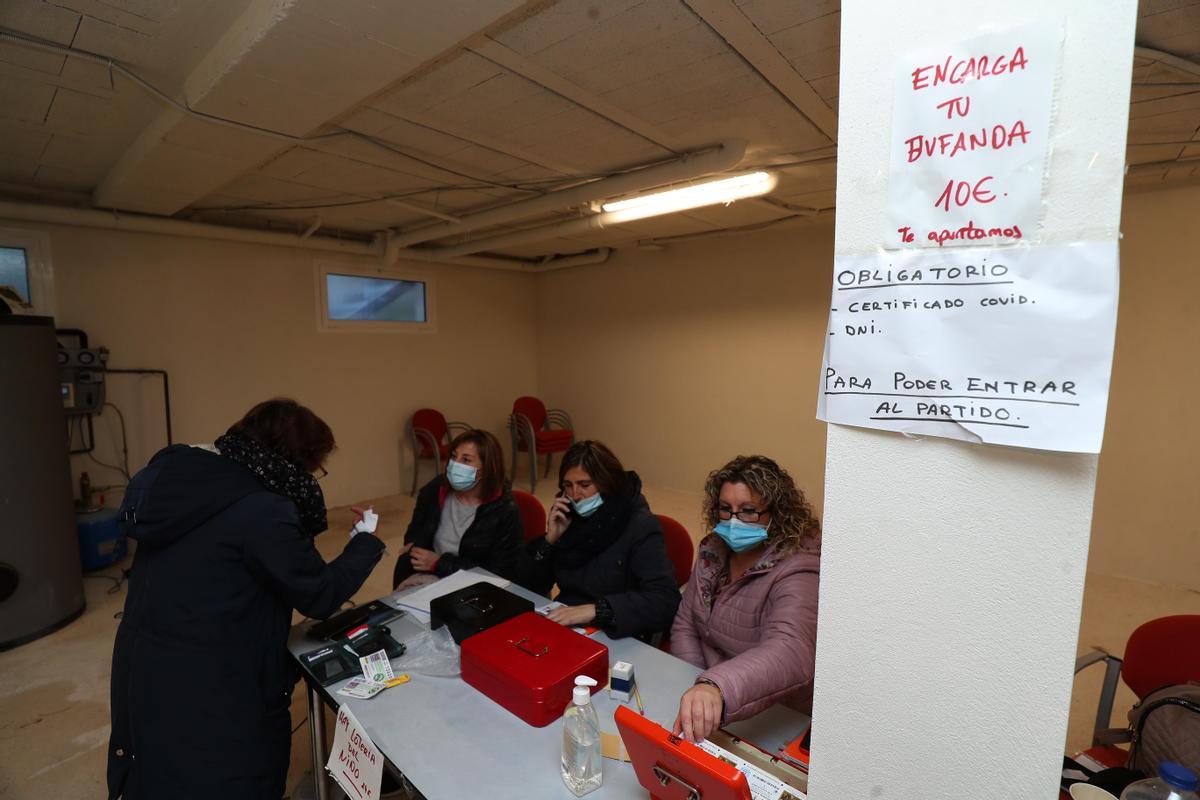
(54, 692)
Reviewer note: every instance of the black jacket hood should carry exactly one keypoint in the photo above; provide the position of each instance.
(180, 489)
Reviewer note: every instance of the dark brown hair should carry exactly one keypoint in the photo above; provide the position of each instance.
(491, 470)
(290, 429)
(598, 462)
(793, 523)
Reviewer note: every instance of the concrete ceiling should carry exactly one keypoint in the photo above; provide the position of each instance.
(374, 119)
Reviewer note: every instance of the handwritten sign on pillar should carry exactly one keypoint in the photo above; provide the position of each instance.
(989, 345)
(354, 761)
(970, 134)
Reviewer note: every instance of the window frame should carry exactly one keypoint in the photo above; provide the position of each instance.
(38, 267)
(327, 325)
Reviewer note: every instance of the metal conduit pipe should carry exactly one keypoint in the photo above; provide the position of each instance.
(141, 223)
(598, 256)
(690, 166)
(1169, 59)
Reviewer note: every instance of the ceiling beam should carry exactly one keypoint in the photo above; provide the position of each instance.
(259, 74)
(473, 137)
(728, 21)
(513, 61)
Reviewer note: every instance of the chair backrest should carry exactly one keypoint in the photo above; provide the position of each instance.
(680, 548)
(434, 423)
(532, 409)
(1162, 652)
(533, 515)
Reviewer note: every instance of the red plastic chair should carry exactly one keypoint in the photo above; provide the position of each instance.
(682, 552)
(1161, 652)
(538, 430)
(430, 435)
(533, 515)
(680, 548)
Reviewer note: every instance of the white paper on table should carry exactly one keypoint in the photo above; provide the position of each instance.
(1024, 360)
(461, 579)
(763, 786)
(354, 760)
(995, 190)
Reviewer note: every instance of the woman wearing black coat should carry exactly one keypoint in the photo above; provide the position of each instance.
(466, 518)
(604, 549)
(201, 676)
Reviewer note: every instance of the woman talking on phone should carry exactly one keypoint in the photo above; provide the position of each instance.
(604, 549)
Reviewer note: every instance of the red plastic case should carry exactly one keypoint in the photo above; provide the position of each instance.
(528, 665)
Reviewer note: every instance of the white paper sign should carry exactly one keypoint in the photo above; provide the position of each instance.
(970, 133)
(1002, 346)
(354, 761)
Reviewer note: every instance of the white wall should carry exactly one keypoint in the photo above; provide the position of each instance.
(236, 324)
(952, 575)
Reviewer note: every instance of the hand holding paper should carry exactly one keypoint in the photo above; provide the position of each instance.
(366, 521)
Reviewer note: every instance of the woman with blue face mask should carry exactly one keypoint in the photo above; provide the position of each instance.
(603, 548)
(465, 518)
(749, 612)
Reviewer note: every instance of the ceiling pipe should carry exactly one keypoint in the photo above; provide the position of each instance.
(690, 166)
(1168, 59)
(597, 256)
(141, 223)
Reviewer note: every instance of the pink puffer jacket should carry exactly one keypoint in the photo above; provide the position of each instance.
(757, 639)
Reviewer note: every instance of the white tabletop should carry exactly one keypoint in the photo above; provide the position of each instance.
(450, 740)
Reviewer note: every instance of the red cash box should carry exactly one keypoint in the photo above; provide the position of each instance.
(528, 665)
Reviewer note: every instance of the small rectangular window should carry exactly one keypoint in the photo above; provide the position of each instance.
(380, 300)
(14, 270)
(354, 297)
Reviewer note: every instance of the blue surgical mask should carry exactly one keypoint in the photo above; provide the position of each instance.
(588, 505)
(740, 536)
(461, 476)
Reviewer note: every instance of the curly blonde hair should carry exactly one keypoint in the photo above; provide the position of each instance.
(793, 524)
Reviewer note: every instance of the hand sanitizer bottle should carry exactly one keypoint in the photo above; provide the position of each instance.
(581, 766)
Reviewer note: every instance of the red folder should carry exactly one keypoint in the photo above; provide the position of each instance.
(671, 768)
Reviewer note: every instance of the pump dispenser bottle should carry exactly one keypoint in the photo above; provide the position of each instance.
(581, 760)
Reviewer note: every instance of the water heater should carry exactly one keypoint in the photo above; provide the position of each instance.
(41, 580)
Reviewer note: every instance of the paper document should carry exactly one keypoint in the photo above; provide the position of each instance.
(354, 760)
(997, 346)
(762, 785)
(419, 599)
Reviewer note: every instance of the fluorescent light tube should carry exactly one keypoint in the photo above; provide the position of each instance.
(706, 193)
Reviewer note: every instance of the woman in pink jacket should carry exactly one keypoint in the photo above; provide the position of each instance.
(749, 612)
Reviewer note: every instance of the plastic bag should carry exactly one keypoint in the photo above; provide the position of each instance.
(431, 652)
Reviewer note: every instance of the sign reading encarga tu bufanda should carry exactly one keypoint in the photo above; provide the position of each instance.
(969, 139)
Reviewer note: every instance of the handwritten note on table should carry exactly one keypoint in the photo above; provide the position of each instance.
(969, 139)
(996, 345)
(354, 760)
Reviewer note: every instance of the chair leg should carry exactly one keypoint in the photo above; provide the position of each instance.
(416, 452)
(549, 458)
(532, 471)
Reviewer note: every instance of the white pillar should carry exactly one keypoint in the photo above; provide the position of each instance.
(952, 574)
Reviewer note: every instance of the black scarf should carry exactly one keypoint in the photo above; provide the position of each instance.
(281, 476)
(587, 537)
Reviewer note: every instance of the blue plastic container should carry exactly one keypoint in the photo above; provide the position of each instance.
(101, 541)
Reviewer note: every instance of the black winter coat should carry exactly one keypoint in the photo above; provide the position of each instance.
(625, 562)
(201, 676)
(493, 541)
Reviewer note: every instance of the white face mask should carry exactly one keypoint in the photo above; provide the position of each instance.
(461, 476)
(588, 505)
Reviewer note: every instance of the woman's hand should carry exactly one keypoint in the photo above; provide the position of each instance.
(560, 519)
(700, 712)
(572, 616)
(422, 560)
